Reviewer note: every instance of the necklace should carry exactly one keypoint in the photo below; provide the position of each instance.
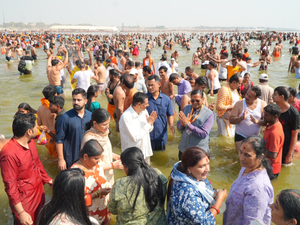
(252, 170)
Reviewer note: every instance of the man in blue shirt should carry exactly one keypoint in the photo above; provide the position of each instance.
(160, 103)
(70, 130)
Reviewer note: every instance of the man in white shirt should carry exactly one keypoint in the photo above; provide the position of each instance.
(84, 77)
(136, 124)
(164, 63)
(138, 84)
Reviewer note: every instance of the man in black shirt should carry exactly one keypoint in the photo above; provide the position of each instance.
(290, 121)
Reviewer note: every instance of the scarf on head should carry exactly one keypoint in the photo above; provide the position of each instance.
(200, 185)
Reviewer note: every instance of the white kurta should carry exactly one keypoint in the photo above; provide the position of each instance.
(135, 131)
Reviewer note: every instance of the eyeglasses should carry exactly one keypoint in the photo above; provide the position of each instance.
(192, 101)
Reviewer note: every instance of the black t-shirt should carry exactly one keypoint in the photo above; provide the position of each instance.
(290, 121)
(27, 57)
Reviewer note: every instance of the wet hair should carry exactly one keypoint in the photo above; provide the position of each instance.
(99, 59)
(128, 81)
(248, 58)
(235, 77)
(245, 50)
(173, 76)
(100, 115)
(164, 68)
(91, 92)
(259, 147)
(289, 200)
(137, 64)
(27, 107)
(92, 148)
(108, 60)
(22, 123)
(58, 101)
(126, 54)
(273, 109)
(238, 55)
(292, 91)
(130, 63)
(78, 91)
(77, 62)
(213, 64)
(190, 158)
(189, 68)
(201, 81)
(114, 72)
(140, 174)
(49, 91)
(197, 92)
(54, 62)
(68, 198)
(154, 77)
(147, 69)
(139, 97)
(282, 90)
(225, 54)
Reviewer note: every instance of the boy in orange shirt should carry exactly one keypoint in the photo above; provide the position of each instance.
(274, 137)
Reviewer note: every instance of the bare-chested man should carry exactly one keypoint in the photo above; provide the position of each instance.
(175, 55)
(100, 73)
(296, 66)
(265, 59)
(276, 51)
(189, 71)
(196, 55)
(9, 52)
(53, 71)
(293, 59)
(122, 61)
(119, 99)
(166, 86)
(46, 118)
(19, 51)
(200, 84)
(148, 61)
(33, 53)
(188, 45)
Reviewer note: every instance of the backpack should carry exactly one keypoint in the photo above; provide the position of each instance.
(22, 66)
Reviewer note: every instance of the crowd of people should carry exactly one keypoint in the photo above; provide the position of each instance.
(144, 105)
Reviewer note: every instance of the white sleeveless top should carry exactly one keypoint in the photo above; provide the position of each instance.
(246, 128)
(120, 66)
(216, 81)
(223, 72)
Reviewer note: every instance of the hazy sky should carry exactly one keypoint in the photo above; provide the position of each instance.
(173, 13)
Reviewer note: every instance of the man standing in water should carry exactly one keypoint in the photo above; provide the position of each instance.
(100, 74)
(53, 71)
(70, 130)
(148, 61)
(22, 172)
(119, 99)
(122, 61)
(46, 118)
(161, 104)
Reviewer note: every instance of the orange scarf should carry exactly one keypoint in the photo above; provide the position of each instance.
(45, 103)
(144, 62)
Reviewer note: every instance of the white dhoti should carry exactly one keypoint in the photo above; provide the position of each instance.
(224, 127)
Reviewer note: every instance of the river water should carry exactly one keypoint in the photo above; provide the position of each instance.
(225, 164)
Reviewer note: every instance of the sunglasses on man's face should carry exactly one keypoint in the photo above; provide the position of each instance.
(192, 101)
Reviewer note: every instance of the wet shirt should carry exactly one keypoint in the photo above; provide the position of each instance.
(70, 131)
